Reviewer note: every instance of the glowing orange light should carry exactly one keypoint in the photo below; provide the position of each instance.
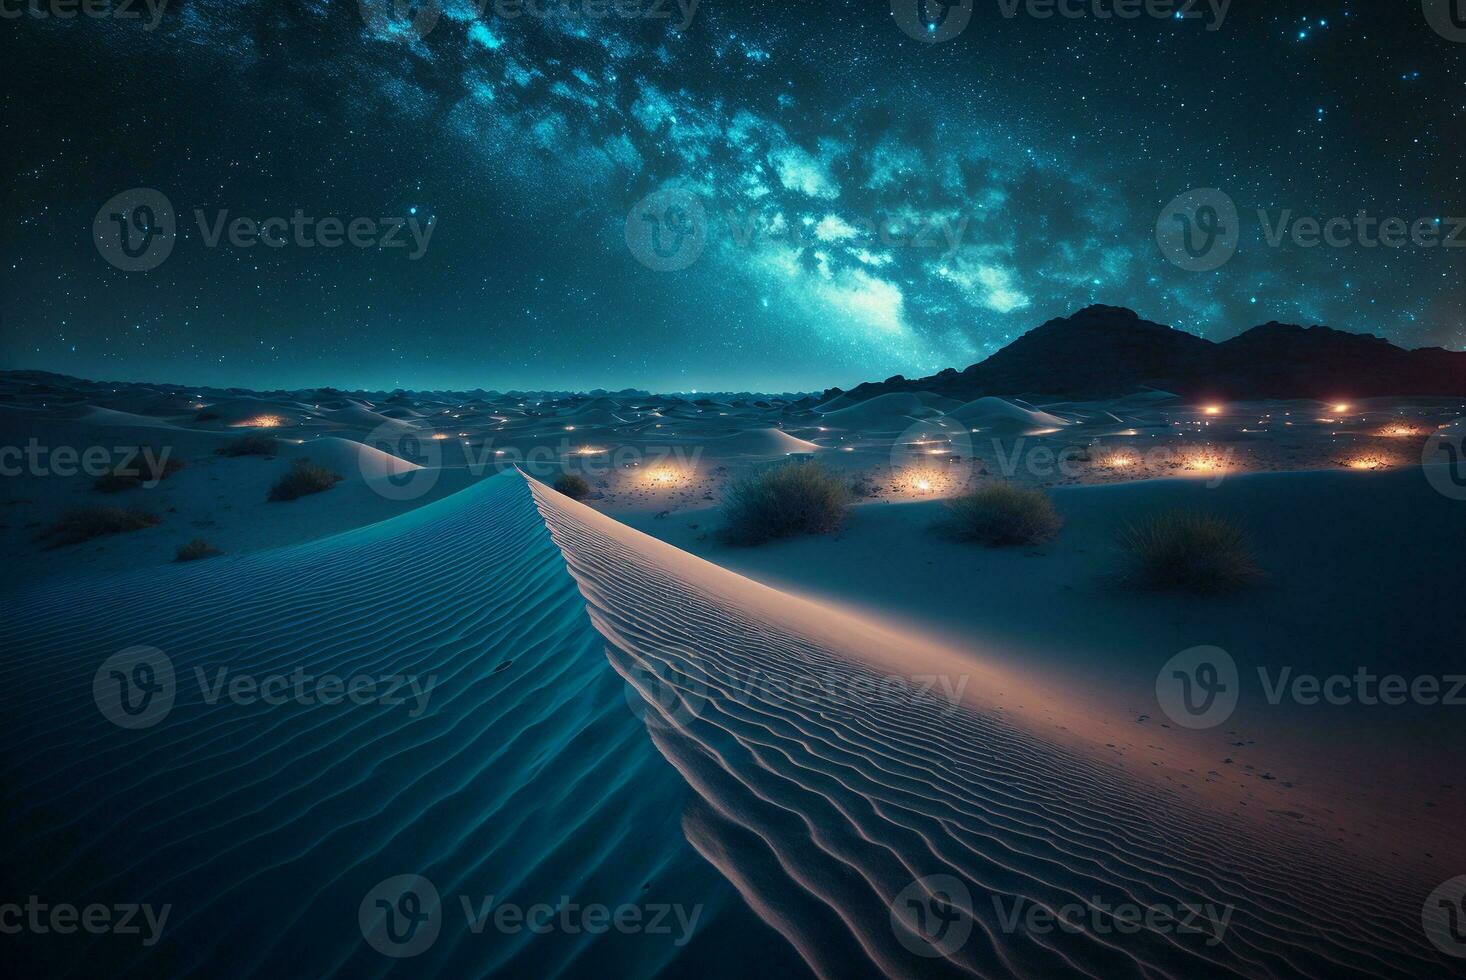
(1213, 410)
(261, 422)
(1203, 462)
(1343, 407)
(665, 476)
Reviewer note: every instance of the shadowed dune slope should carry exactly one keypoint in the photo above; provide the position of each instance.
(527, 777)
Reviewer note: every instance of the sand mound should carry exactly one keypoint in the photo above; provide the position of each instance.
(760, 442)
(241, 411)
(885, 413)
(1002, 415)
(111, 417)
(350, 458)
(357, 416)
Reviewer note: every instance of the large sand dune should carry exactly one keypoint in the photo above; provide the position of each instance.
(827, 808)
(569, 657)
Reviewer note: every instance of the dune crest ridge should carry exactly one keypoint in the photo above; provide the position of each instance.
(829, 802)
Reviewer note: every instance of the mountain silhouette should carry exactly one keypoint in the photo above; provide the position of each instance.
(1109, 351)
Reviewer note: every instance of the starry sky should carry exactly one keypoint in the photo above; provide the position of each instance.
(870, 202)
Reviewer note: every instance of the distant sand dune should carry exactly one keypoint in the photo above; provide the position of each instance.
(885, 413)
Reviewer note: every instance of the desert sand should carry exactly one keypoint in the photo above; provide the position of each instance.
(789, 738)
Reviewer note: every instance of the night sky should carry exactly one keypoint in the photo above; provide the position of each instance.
(1021, 168)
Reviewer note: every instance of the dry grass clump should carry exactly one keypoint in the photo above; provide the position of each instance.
(196, 549)
(1189, 552)
(304, 478)
(1002, 515)
(85, 523)
(254, 445)
(787, 500)
(572, 486)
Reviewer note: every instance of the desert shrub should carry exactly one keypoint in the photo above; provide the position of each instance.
(255, 445)
(196, 549)
(572, 486)
(1002, 515)
(789, 499)
(84, 523)
(1189, 552)
(303, 478)
(143, 469)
